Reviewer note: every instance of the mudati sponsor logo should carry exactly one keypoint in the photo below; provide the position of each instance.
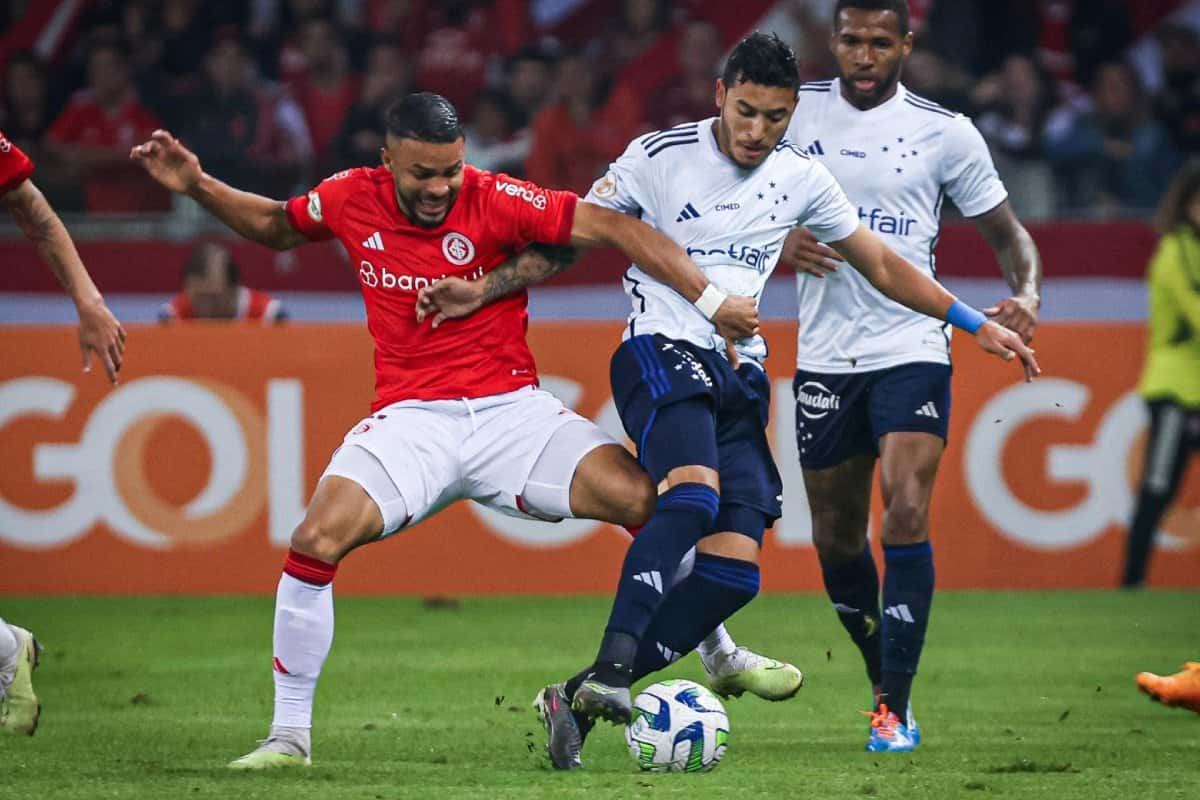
(816, 400)
(384, 278)
(882, 221)
(535, 199)
(757, 257)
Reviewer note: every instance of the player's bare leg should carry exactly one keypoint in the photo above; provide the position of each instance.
(340, 517)
(610, 484)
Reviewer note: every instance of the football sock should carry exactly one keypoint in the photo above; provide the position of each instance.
(715, 590)
(303, 636)
(853, 586)
(1150, 509)
(717, 643)
(682, 515)
(10, 648)
(907, 598)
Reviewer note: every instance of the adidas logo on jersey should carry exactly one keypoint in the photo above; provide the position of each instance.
(652, 579)
(689, 212)
(373, 242)
(815, 148)
(928, 410)
(900, 612)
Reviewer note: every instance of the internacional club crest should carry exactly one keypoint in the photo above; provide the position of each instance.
(458, 249)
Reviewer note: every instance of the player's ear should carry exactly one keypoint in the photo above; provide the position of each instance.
(385, 158)
(720, 94)
(906, 45)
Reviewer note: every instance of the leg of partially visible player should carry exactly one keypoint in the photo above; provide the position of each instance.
(1168, 448)
(19, 654)
(340, 517)
(908, 466)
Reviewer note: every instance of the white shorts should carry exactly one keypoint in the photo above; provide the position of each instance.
(514, 452)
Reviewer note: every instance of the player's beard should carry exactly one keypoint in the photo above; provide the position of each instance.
(425, 218)
(870, 98)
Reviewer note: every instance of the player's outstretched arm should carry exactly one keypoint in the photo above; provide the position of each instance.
(257, 218)
(99, 331)
(453, 298)
(907, 285)
(735, 317)
(1021, 264)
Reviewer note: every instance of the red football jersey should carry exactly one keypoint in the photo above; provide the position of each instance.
(493, 217)
(15, 166)
(252, 305)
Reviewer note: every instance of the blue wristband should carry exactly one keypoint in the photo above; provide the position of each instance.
(961, 315)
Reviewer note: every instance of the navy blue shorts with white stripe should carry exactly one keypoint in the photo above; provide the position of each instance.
(650, 372)
(842, 415)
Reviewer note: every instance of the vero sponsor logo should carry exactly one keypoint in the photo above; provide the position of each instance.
(535, 199)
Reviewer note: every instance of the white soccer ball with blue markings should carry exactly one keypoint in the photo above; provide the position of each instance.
(677, 726)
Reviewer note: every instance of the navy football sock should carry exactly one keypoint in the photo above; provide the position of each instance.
(907, 598)
(853, 586)
(716, 588)
(682, 516)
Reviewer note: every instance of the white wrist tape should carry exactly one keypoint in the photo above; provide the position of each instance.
(710, 300)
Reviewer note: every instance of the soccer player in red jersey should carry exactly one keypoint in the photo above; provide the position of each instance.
(99, 334)
(457, 411)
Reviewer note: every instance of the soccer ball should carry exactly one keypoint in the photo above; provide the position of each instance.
(677, 726)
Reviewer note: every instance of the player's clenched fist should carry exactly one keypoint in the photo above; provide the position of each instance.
(737, 317)
(168, 162)
(1002, 342)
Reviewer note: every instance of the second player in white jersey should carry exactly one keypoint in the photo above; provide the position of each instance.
(897, 162)
(731, 220)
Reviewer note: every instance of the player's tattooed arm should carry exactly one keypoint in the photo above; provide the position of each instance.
(454, 298)
(534, 264)
(257, 218)
(100, 333)
(1021, 264)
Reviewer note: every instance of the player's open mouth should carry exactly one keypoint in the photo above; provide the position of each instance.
(865, 84)
(431, 209)
(753, 151)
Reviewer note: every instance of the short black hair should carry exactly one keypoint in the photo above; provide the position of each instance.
(897, 7)
(764, 59)
(197, 262)
(424, 116)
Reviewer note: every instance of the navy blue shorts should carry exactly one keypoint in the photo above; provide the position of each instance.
(839, 416)
(651, 372)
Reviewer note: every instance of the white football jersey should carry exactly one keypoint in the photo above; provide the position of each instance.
(896, 162)
(732, 221)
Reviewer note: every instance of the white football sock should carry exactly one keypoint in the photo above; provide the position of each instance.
(717, 644)
(10, 649)
(303, 637)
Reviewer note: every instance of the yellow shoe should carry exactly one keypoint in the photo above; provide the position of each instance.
(746, 671)
(272, 753)
(19, 708)
(1181, 690)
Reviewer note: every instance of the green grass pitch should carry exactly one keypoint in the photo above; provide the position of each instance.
(1020, 696)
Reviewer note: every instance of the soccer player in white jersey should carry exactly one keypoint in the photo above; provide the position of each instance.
(873, 378)
(729, 191)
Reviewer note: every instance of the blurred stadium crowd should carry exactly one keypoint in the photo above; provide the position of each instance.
(1089, 105)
